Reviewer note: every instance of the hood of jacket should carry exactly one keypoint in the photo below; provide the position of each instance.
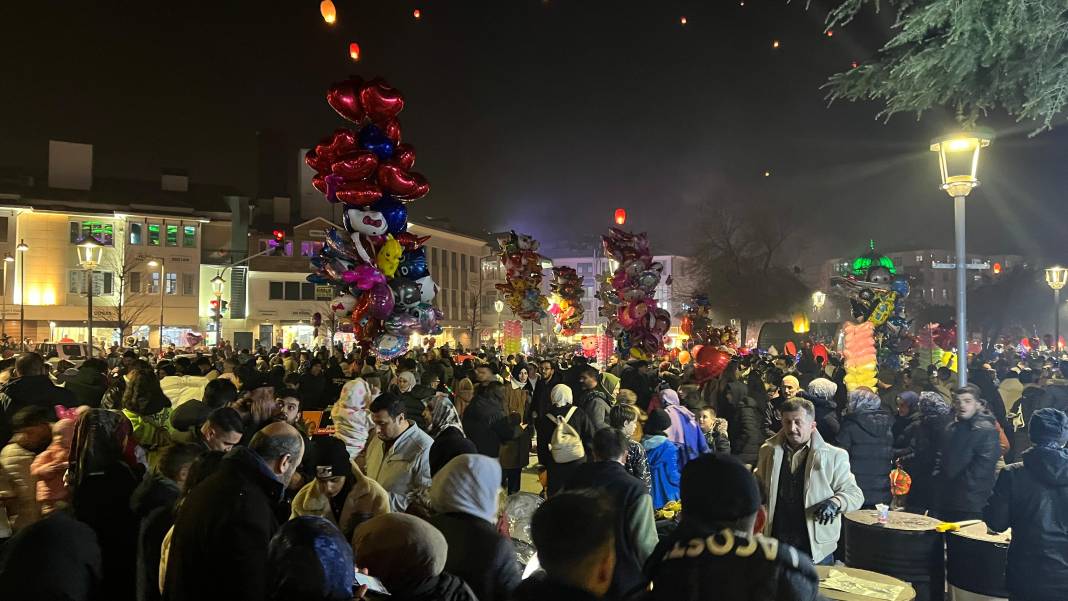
(468, 484)
(873, 423)
(27, 387)
(1047, 464)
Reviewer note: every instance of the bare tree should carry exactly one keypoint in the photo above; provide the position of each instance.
(131, 297)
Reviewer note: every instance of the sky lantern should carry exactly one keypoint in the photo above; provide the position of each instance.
(354, 51)
(327, 10)
(417, 13)
(997, 268)
(775, 44)
(621, 216)
(682, 20)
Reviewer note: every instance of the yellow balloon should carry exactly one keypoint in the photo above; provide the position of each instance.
(389, 257)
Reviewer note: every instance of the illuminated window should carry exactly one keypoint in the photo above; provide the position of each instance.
(153, 234)
(137, 235)
(102, 232)
(171, 284)
(310, 249)
(172, 235)
(189, 236)
(153, 282)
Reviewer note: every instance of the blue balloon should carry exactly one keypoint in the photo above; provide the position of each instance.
(316, 278)
(395, 213)
(901, 287)
(374, 139)
(413, 264)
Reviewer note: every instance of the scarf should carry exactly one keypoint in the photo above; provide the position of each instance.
(932, 403)
(442, 416)
(102, 438)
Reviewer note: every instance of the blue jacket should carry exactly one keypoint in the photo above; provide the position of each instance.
(663, 458)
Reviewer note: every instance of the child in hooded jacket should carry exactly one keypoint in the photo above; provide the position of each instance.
(51, 465)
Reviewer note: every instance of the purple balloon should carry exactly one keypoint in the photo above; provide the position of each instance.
(365, 277)
(400, 324)
(381, 301)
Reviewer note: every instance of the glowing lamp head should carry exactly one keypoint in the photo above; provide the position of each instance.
(418, 14)
(620, 216)
(328, 11)
(498, 305)
(8, 258)
(818, 299)
(89, 252)
(217, 285)
(1056, 277)
(958, 160)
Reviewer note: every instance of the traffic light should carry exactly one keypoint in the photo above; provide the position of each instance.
(222, 309)
(279, 238)
(214, 305)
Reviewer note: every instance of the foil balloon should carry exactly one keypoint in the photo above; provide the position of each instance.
(405, 292)
(402, 184)
(381, 101)
(410, 241)
(380, 301)
(428, 289)
(392, 130)
(368, 223)
(364, 277)
(413, 265)
(344, 97)
(389, 257)
(389, 346)
(395, 214)
(404, 156)
(374, 139)
(343, 304)
(358, 166)
(400, 324)
(353, 193)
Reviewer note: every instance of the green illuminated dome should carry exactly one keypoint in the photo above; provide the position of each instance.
(864, 263)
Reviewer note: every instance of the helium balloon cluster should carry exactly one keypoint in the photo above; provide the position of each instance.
(877, 296)
(697, 324)
(523, 274)
(859, 355)
(627, 296)
(567, 310)
(377, 268)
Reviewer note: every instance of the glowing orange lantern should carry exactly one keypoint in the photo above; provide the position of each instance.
(354, 51)
(997, 268)
(801, 324)
(417, 13)
(621, 216)
(327, 10)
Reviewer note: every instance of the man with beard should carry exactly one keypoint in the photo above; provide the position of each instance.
(219, 544)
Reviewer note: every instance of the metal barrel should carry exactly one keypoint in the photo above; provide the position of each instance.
(975, 561)
(908, 547)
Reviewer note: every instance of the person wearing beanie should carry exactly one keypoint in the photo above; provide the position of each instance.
(560, 404)
(820, 392)
(865, 435)
(339, 492)
(664, 458)
(717, 552)
(1030, 497)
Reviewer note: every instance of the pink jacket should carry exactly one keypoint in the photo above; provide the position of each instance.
(50, 466)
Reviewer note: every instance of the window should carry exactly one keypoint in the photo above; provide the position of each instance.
(454, 261)
(324, 293)
(153, 234)
(172, 235)
(137, 233)
(76, 281)
(274, 290)
(103, 283)
(919, 258)
(945, 294)
(285, 251)
(463, 262)
(292, 290)
(187, 284)
(189, 236)
(170, 284)
(102, 232)
(310, 249)
(133, 285)
(3, 229)
(153, 283)
(307, 291)
(585, 269)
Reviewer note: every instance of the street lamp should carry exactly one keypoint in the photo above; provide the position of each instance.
(3, 311)
(89, 253)
(818, 300)
(958, 163)
(498, 306)
(217, 290)
(1057, 277)
(160, 263)
(22, 248)
(52, 331)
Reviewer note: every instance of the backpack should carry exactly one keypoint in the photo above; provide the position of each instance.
(566, 445)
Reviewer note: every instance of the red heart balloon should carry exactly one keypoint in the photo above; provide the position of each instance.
(344, 97)
(404, 156)
(380, 101)
(410, 241)
(317, 162)
(319, 183)
(357, 166)
(402, 184)
(358, 194)
(392, 129)
(344, 142)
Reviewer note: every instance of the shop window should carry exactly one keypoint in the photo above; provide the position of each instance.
(172, 235)
(171, 284)
(133, 285)
(292, 291)
(153, 282)
(275, 290)
(310, 249)
(153, 234)
(103, 283)
(307, 291)
(189, 236)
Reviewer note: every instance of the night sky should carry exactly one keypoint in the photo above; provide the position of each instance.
(540, 116)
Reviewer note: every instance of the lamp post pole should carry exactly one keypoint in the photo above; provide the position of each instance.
(3, 312)
(217, 290)
(1056, 278)
(162, 284)
(89, 253)
(22, 249)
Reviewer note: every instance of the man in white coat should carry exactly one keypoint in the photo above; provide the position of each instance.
(809, 484)
(398, 457)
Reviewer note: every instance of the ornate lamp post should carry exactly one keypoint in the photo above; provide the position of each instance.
(217, 290)
(22, 249)
(498, 306)
(89, 253)
(958, 163)
(818, 300)
(1057, 277)
(160, 263)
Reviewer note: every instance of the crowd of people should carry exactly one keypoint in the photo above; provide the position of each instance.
(289, 474)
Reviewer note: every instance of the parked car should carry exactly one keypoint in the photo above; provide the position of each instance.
(74, 352)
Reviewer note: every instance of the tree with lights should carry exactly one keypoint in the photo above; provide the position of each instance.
(971, 56)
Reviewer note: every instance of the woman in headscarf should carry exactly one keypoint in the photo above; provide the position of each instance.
(103, 474)
(561, 403)
(865, 435)
(309, 559)
(464, 495)
(684, 430)
(408, 556)
(919, 457)
(907, 411)
(448, 433)
(465, 391)
(515, 453)
(349, 414)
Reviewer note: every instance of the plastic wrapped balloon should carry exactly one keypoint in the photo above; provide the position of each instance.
(630, 294)
(389, 346)
(860, 356)
(567, 285)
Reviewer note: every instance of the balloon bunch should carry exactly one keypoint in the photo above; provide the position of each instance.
(567, 310)
(877, 296)
(859, 355)
(709, 361)
(377, 268)
(523, 273)
(697, 324)
(627, 296)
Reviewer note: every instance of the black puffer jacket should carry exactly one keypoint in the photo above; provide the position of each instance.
(920, 457)
(826, 417)
(967, 459)
(866, 436)
(772, 572)
(744, 428)
(486, 424)
(479, 555)
(1032, 498)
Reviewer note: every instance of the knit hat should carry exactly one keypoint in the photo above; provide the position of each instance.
(821, 388)
(329, 457)
(791, 380)
(717, 487)
(1048, 427)
(658, 423)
